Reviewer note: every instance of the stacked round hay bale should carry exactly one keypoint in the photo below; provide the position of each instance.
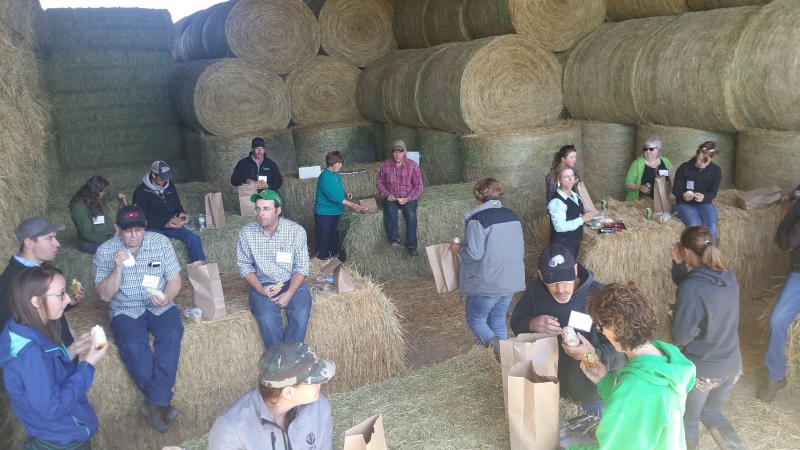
(409, 24)
(619, 10)
(424, 23)
(680, 145)
(440, 156)
(703, 5)
(608, 149)
(767, 157)
(323, 90)
(369, 89)
(356, 140)
(357, 31)
(387, 133)
(400, 87)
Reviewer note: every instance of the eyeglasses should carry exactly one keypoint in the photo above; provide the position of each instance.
(649, 149)
(133, 231)
(61, 294)
(559, 282)
(598, 327)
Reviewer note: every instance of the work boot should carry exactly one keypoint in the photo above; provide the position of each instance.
(171, 414)
(726, 438)
(494, 344)
(692, 444)
(156, 416)
(769, 389)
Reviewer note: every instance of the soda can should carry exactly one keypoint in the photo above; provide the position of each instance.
(604, 205)
(648, 186)
(648, 213)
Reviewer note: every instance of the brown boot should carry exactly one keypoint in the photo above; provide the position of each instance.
(171, 414)
(726, 438)
(769, 389)
(156, 416)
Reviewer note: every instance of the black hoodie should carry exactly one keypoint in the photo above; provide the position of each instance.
(706, 181)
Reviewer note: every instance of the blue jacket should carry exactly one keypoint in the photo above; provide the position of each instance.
(47, 390)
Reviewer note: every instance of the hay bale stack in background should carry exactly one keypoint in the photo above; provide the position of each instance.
(178, 51)
(323, 90)
(619, 10)
(680, 145)
(608, 149)
(193, 198)
(369, 89)
(356, 140)
(408, 24)
(401, 100)
(387, 133)
(82, 111)
(766, 157)
(229, 97)
(703, 5)
(112, 28)
(124, 177)
(130, 144)
(357, 31)
(445, 21)
(440, 156)
(190, 42)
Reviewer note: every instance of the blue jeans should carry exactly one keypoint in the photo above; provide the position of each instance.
(327, 230)
(486, 316)
(153, 373)
(390, 221)
(706, 406)
(270, 322)
(704, 214)
(786, 308)
(192, 241)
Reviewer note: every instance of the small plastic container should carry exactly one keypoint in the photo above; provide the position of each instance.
(321, 283)
(201, 222)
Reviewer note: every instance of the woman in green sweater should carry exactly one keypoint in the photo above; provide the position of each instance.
(329, 204)
(645, 169)
(89, 211)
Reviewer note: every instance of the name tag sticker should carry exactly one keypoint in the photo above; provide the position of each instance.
(150, 281)
(663, 173)
(98, 220)
(689, 185)
(262, 178)
(283, 257)
(580, 321)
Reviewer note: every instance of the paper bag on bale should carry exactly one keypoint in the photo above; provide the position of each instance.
(206, 289)
(445, 267)
(759, 198)
(215, 214)
(369, 205)
(532, 409)
(588, 205)
(342, 280)
(661, 200)
(539, 348)
(246, 207)
(368, 435)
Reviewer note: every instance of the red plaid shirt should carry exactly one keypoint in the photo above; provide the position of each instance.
(402, 182)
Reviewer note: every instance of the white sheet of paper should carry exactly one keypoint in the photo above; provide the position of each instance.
(262, 178)
(580, 321)
(663, 173)
(414, 156)
(150, 281)
(98, 220)
(283, 257)
(689, 185)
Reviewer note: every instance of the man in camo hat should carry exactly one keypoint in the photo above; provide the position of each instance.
(285, 409)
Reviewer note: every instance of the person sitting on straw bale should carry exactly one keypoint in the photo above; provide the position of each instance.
(400, 184)
(90, 214)
(643, 172)
(46, 387)
(329, 203)
(705, 326)
(558, 299)
(492, 266)
(567, 214)
(138, 274)
(695, 186)
(272, 256)
(644, 400)
(285, 409)
(158, 198)
(567, 156)
(257, 169)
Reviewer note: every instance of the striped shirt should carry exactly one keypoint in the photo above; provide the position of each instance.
(402, 182)
(272, 258)
(132, 298)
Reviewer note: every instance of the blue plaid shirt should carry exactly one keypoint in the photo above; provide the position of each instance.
(132, 298)
(257, 252)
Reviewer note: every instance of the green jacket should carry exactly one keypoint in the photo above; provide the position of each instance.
(644, 403)
(635, 176)
(82, 218)
(330, 194)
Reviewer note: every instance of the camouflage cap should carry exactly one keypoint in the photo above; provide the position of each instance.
(267, 194)
(288, 363)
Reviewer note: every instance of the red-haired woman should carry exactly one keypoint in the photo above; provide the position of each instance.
(695, 186)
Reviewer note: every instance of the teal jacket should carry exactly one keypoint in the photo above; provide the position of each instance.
(330, 194)
(82, 218)
(635, 176)
(644, 403)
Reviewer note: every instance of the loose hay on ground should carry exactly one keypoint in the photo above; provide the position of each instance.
(323, 90)
(357, 31)
(608, 149)
(440, 156)
(765, 157)
(356, 140)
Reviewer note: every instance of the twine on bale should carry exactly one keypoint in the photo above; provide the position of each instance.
(444, 21)
(766, 157)
(408, 24)
(356, 140)
(323, 90)
(619, 10)
(357, 31)
(369, 89)
(607, 152)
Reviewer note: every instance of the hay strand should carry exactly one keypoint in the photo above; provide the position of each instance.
(619, 10)
(323, 90)
(608, 151)
(766, 157)
(444, 21)
(409, 24)
(440, 156)
(357, 31)
(369, 89)
(356, 140)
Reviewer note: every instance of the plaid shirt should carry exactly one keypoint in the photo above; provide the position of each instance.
(256, 251)
(132, 298)
(402, 182)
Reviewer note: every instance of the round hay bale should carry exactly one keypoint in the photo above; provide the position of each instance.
(608, 151)
(387, 133)
(766, 70)
(600, 72)
(408, 24)
(190, 42)
(355, 140)
(323, 90)
(499, 83)
(680, 145)
(357, 31)
(178, 50)
(444, 21)
(685, 74)
(766, 157)
(619, 10)
(520, 159)
(440, 156)
(369, 89)
(213, 34)
(229, 97)
(704, 5)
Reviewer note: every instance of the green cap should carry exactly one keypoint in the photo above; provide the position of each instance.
(267, 194)
(288, 363)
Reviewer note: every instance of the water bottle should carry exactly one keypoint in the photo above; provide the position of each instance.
(330, 284)
(201, 220)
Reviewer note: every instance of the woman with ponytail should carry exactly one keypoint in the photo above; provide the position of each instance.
(705, 326)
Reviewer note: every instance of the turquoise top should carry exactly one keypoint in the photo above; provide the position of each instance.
(330, 194)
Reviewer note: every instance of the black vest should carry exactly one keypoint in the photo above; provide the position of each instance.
(569, 239)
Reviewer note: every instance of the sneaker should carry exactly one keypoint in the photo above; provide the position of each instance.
(413, 252)
(156, 416)
(769, 389)
(395, 245)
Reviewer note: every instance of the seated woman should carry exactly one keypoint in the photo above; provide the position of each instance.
(329, 204)
(567, 215)
(566, 155)
(695, 186)
(90, 215)
(645, 169)
(284, 409)
(644, 400)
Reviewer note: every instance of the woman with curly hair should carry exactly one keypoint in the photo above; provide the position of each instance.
(644, 400)
(90, 214)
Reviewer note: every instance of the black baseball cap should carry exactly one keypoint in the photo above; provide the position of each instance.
(33, 227)
(258, 142)
(131, 216)
(556, 264)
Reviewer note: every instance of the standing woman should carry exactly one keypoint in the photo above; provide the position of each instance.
(46, 388)
(695, 186)
(705, 326)
(329, 204)
(566, 156)
(89, 211)
(645, 169)
(492, 267)
(567, 215)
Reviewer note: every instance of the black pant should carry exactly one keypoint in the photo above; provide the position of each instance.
(327, 232)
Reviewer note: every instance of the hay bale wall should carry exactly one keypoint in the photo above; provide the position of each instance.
(357, 31)
(703, 5)
(111, 28)
(445, 21)
(369, 89)
(323, 90)
(125, 177)
(355, 140)
(440, 157)
(387, 133)
(409, 25)
(608, 149)
(619, 10)
(766, 157)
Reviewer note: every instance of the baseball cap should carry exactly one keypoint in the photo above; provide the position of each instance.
(288, 363)
(399, 145)
(161, 169)
(557, 264)
(267, 194)
(131, 216)
(258, 142)
(34, 227)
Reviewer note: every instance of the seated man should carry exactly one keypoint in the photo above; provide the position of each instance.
(159, 200)
(272, 255)
(557, 299)
(137, 272)
(285, 409)
(400, 184)
(257, 168)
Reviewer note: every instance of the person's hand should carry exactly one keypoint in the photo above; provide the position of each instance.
(354, 205)
(391, 198)
(544, 324)
(282, 299)
(596, 373)
(349, 195)
(249, 181)
(77, 297)
(402, 201)
(96, 355)
(643, 189)
(578, 352)
(698, 197)
(80, 345)
(455, 247)
(122, 196)
(785, 198)
(119, 256)
(587, 216)
(173, 226)
(688, 196)
(158, 301)
(677, 252)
